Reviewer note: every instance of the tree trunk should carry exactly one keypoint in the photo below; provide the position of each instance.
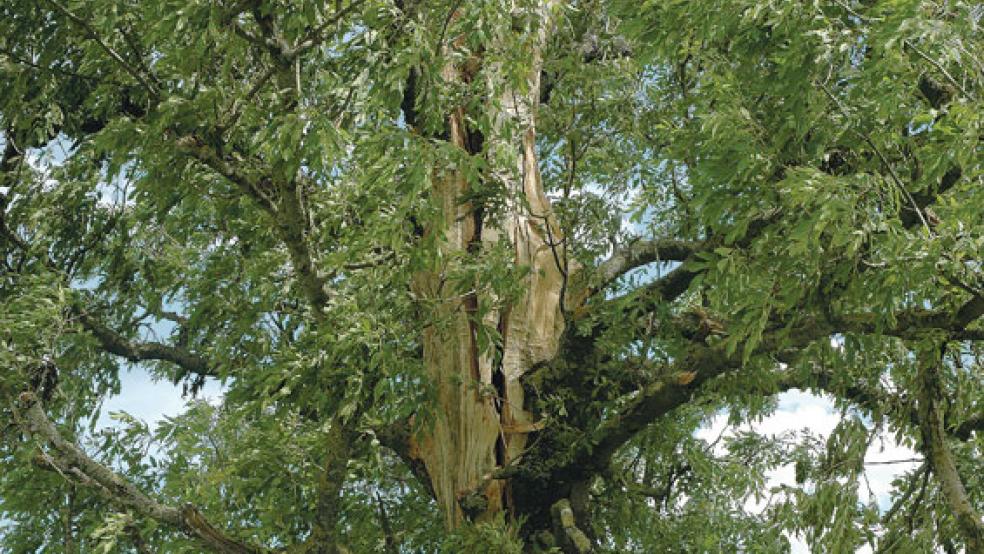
(480, 422)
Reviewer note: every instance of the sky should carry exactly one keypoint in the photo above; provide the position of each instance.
(151, 401)
(798, 411)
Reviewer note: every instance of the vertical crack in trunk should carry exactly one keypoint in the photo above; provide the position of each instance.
(479, 422)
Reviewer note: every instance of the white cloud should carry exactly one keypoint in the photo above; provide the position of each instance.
(798, 411)
(149, 400)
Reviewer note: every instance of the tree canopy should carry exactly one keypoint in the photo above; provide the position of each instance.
(472, 274)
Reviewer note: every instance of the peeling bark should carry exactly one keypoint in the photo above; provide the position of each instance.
(480, 423)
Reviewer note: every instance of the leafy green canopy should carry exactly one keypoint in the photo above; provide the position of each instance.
(182, 182)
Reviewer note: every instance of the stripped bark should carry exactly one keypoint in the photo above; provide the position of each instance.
(480, 423)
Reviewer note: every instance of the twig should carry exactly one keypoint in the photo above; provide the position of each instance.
(108, 49)
(890, 462)
(939, 67)
(884, 160)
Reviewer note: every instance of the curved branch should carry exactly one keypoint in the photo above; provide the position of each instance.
(282, 202)
(675, 283)
(68, 459)
(116, 344)
(683, 378)
(147, 81)
(872, 399)
(939, 455)
(324, 538)
(641, 252)
(680, 383)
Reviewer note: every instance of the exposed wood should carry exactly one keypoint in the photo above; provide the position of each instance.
(479, 418)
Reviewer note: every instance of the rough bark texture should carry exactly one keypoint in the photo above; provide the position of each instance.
(940, 458)
(480, 423)
(72, 462)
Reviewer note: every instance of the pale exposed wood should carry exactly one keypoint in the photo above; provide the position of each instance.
(477, 428)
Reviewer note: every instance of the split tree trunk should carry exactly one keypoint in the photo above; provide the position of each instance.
(480, 423)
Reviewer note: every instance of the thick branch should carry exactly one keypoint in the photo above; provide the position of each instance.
(250, 184)
(282, 203)
(293, 229)
(675, 283)
(641, 252)
(398, 438)
(681, 380)
(940, 457)
(909, 216)
(571, 538)
(324, 537)
(701, 363)
(965, 430)
(912, 323)
(672, 285)
(116, 344)
(70, 460)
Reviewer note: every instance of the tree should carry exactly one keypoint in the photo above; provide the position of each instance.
(472, 274)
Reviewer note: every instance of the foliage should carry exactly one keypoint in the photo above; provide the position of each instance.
(242, 193)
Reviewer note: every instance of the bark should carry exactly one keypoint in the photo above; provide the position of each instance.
(480, 423)
(571, 538)
(70, 461)
(939, 455)
(324, 538)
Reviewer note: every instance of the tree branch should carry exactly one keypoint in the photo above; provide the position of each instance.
(116, 344)
(398, 438)
(678, 385)
(938, 453)
(641, 252)
(324, 537)
(871, 399)
(70, 460)
(682, 378)
(251, 185)
(282, 203)
(93, 35)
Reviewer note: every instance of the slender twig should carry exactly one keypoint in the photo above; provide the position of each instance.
(93, 35)
(284, 57)
(316, 36)
(882, 158)
(911, 488)
(447, 22)
(138, 54)
(939, 67)
(18, 60)
(890, 462)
